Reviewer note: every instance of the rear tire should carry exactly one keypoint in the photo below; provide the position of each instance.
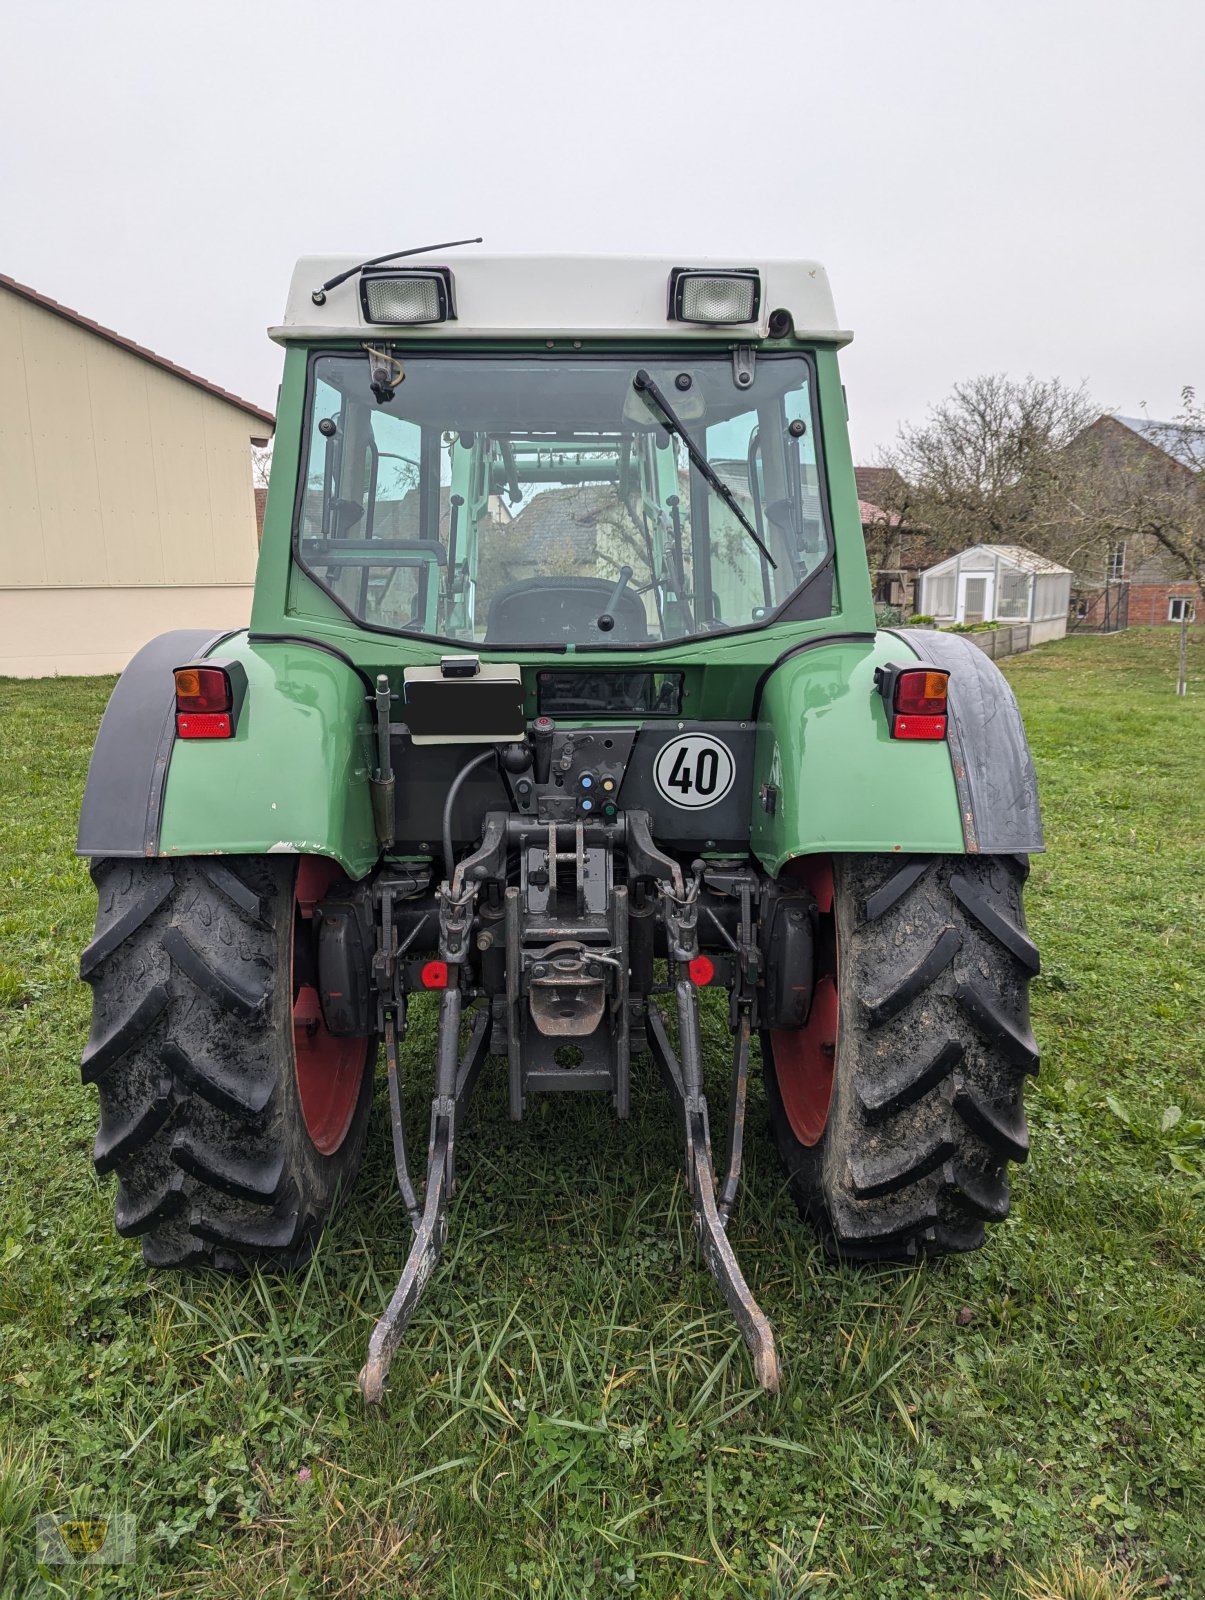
(223, 1155)
(909, 1150)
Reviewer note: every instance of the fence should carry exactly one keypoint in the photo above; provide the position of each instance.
(1105, 610)
(997, 642)
(1008, 640)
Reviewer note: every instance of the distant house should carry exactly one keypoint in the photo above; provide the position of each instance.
(880, 487)
(998, 583)
(126, 498)
(896, 548)
(557, 531)
(1137, 580)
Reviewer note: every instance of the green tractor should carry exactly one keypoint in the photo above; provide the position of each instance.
(563, 699)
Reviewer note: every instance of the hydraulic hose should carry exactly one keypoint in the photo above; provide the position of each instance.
(457, 785)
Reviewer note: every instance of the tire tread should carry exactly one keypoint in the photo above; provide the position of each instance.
(187, 1051)
(908, 985)
(934, 1045)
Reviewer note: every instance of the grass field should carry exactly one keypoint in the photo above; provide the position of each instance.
(572, 1412)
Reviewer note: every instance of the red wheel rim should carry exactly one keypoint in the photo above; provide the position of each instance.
(328, 1070)
(805, 1059)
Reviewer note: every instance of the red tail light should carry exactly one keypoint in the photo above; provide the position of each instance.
(915, 700)
(203, 725)
(919, 728)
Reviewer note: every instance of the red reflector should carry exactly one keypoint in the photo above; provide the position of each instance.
(919, 728)
(921, 693)
(202, 689)
(702, 971)
(434, 975)
(203, 725)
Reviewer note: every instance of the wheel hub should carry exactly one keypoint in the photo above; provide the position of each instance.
(329, 1070)
(805, 1058)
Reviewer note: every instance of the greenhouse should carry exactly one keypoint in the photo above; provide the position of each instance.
(998, 583)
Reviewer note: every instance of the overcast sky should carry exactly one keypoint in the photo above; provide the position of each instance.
(993, 186)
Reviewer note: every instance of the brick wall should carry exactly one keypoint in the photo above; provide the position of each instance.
(1148, 601)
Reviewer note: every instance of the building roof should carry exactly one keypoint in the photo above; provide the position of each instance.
(68, 315)
(880, 491)
(868, 512)
(1013, 555)
(879, 485)
(1018, 556)
(561, 525)
(1183, 444)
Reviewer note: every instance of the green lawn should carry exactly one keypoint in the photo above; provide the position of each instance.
(572, 1411)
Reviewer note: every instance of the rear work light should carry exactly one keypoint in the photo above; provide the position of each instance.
(714, 296)
(208, 698)
(915, 700)
(407, 297)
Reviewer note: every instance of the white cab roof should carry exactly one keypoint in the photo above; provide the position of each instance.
(610, 297)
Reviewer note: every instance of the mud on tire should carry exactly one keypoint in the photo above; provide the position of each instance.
(191, 1049)
(933, 1048)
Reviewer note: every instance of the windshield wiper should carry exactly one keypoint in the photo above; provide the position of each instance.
(644, 385)
(377, 261)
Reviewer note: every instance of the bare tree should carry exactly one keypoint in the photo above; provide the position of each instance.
(261, 464)
(986, 465)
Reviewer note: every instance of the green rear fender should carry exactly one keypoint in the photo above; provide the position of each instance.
(295, 777)
(829, 776)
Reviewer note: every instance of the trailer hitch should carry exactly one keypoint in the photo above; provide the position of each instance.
(568, 977)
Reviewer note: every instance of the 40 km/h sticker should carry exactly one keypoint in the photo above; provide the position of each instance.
(694, 771)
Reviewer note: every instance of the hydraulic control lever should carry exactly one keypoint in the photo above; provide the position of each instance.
(382, 780)
(607, 620)
(542, 730)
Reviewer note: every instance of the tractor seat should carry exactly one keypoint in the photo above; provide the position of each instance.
(548, 610)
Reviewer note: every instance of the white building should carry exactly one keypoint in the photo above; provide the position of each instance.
(126, 499)
(998, 583)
